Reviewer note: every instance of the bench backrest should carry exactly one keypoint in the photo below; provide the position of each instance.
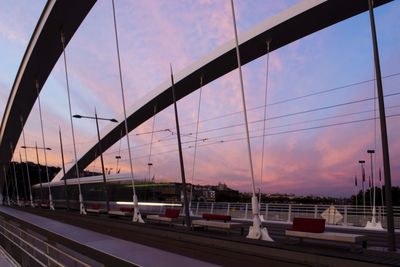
(218, 217)
(172, 213)
(95, 206)
(308, 225)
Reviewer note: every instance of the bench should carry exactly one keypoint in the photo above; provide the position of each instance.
(95, 209)
(315, 229)
(217, 221)
(170, 216)
(123, 211)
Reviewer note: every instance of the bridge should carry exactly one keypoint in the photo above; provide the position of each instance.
(61, 19)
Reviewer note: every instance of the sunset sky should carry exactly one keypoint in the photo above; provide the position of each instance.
(306, 153)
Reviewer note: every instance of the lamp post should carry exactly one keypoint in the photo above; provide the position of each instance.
(6, 184)
(362, 162)
(384, 137)
(38, 163)
(373, 223)
(96, 118)
(118, 158)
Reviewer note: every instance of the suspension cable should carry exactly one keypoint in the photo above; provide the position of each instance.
(44, 145)
(136, 216)
(196, 139)
(243, 99)
(265, 119)
(149, 163)
(26, 159)
(5, 179)
(118, 157)
(15, 174)
(23, 175)
(82, 208)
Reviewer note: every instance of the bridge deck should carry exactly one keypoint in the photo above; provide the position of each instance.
(219, 248)
(129, 251)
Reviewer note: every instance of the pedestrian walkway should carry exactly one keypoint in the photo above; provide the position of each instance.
(131, 252)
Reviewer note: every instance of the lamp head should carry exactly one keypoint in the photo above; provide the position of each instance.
(371, 151)
(113, 120)
(361, 161)
(77, 116)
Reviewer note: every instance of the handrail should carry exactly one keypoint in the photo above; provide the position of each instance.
(29, 245)
(70, 257)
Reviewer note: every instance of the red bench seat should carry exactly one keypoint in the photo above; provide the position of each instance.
(126, 209)
(217, 217)
(172, 213)
(309, 225)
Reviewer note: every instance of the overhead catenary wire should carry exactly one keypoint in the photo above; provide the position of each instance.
(223, 141)
(295, 98)
(258, 121)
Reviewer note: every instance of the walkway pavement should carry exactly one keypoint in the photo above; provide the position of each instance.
(129, 251)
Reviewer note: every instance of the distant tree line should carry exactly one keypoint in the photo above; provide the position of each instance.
(369, 194)
(37, 174)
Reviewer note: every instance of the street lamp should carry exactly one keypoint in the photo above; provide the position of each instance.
(96, 118)
(118, 158)
(373, 223)
(38, 163)
(362, 162)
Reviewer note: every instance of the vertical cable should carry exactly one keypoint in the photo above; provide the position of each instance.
(243, 100)
(119, 152)
(81, 205)
(44, 146)
(23, 176)
(136, 216)
(15, 174)
(26, 159)
(195, 140)
(149, 164)
(5, 180)
(265, 118)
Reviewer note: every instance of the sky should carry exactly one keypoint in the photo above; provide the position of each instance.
(312, 144)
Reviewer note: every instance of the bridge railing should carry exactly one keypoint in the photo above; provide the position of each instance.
(33, 251)
(346, 215)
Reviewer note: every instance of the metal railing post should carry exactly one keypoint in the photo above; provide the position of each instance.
(245, 211)
(228, 208)
(212, 208)
(315, 211)
(289, 213)
(197, 208)
(345, 215)
(266, 212)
